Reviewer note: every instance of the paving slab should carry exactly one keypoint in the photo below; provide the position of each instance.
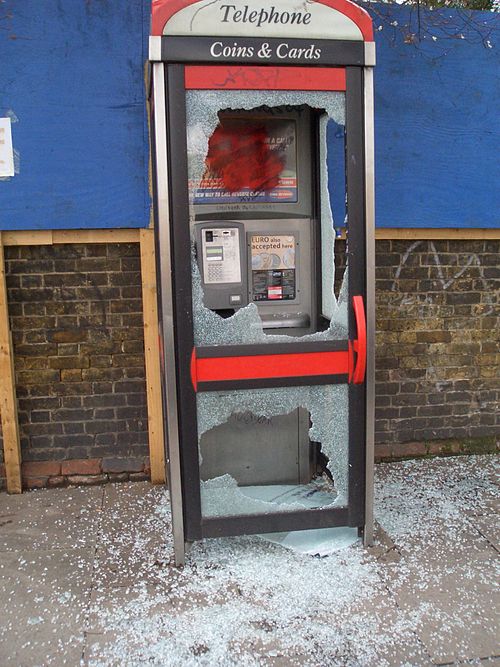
(45, 598)
(442, 542)
(430, 507)
(489, 527)
(455, 607)
(383, 549)
(111, 628)
(388, 637)
(131, 497)
(50, 518)
(133, 546)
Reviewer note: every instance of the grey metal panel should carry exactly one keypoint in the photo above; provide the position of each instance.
(275, 523)
(295, 317)
(259, 450)
(182, 298)
(256, 349)
(370, 54)
(273, 383)
(307, 453)
(218, 296)
(370, 298)
(356, 249)
(162, 203)
(155, 49)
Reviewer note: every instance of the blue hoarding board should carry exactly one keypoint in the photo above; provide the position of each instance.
(72, 81)
(72, 76)
(437, 128)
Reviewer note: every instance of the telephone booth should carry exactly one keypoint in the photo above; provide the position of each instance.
(262, 144)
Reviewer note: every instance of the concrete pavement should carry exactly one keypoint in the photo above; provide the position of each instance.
(86, 578)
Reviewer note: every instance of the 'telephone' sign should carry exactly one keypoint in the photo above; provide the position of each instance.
(260, 17)
(299, 20)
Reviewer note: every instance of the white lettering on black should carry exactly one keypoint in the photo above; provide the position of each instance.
(283, 51)
(264, 51)
(221, 50)
(295, 53)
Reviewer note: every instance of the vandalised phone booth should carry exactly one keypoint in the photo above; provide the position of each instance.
(262, 143)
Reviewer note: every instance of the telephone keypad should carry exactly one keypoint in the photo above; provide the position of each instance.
(215, 273)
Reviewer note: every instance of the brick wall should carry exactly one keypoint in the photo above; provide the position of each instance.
(438, 351)
(76, 317)
(76, 314)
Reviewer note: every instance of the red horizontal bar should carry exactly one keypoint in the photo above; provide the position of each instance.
(305, 364)
(246, 77)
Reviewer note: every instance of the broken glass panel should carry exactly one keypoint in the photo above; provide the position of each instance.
(303, 428)
(204, 111)
(327, 406)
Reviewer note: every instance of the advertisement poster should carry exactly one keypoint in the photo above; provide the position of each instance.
(273, 267)
(250, 161)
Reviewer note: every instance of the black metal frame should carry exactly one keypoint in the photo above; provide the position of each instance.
(356, 257)
(197, 527)
(183, 309)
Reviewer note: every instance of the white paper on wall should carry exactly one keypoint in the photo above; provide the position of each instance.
(6, 151)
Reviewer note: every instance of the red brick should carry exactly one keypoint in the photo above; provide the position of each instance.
(41, 468)
(410, 449)
(87, 480)
(448, 447)
(35, 482)
(383, 452)
(54, 482)
(81, 467)
(138, 477)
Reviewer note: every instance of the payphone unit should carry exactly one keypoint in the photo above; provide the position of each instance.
(256, 224)
(268, 364)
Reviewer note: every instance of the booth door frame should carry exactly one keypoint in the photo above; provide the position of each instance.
(174, 237)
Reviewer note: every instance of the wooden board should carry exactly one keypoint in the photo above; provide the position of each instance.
(152, 357)
(59, 236)
(8, 401)
(48, 237)
(438, 234)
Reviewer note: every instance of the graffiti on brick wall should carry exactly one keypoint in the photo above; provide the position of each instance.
(443, 282)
